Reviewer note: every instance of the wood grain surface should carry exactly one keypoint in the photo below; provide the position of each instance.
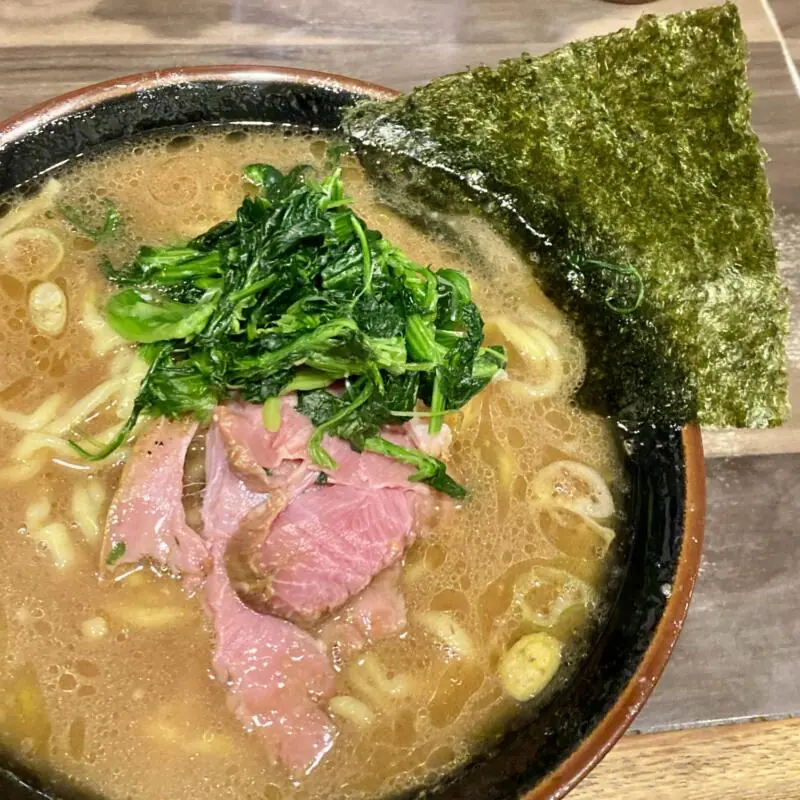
(752, 761)
(739, 654)
(787, 15)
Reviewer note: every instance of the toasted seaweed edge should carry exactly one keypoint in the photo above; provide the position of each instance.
(634, 148)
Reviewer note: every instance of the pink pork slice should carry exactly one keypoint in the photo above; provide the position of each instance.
(276, 673)
(330, 540)
(376, 613)
(252, 449)
(329, 543)
(254, 453)
(146, 518)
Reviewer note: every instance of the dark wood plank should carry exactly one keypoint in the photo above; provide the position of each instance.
(787, 12)
(413, 22)
(738, 655)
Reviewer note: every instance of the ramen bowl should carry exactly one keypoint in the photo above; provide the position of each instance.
(542, 753)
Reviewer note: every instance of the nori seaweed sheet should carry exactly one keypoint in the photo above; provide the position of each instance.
(636, 149)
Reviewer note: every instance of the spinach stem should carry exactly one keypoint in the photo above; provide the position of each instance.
(365, 253)
(319, 454)
(437, 405)
(271, 414)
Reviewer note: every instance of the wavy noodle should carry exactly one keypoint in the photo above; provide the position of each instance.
(53, 536)
(87, 503)
(104, 338)
(35, 205)
(202, 743)
(146, 617)
(81, 409)
(37, 419)
(132, 379)
(37, 512)
(56, 539)
(121, 362)
(45, 431)
(471, 412)
(443, 627)
(538, 349)
(352, 709)
(21, 471)
(24, 470)
(148, 605)
(370, 678)
(34, 442)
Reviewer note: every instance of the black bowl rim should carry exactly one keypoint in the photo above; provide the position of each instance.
(84, 98)
(630, 701)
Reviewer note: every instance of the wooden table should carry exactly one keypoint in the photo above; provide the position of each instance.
(738, 659)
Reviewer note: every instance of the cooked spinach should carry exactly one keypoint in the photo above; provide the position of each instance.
(296, 294)
(115, 553)
(112, 220)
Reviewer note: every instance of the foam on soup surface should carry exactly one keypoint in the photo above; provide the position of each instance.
(109, 682)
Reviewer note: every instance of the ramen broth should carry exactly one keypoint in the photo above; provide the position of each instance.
(109, 683)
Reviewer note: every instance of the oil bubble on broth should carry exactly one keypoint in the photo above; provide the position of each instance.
(108, 683)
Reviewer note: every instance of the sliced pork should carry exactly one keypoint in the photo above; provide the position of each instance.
(298, 541)
(146, 519)
(329, 543)
(376, 613)
(276, 673)
(262, 459)
(265, 459)
(227, 498)
(337, 529)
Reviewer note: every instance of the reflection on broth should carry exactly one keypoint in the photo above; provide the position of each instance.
(109, 682)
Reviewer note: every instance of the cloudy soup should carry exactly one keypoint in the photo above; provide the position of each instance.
(326, 558)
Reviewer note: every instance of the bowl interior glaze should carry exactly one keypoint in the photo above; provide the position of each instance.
(543, 752)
